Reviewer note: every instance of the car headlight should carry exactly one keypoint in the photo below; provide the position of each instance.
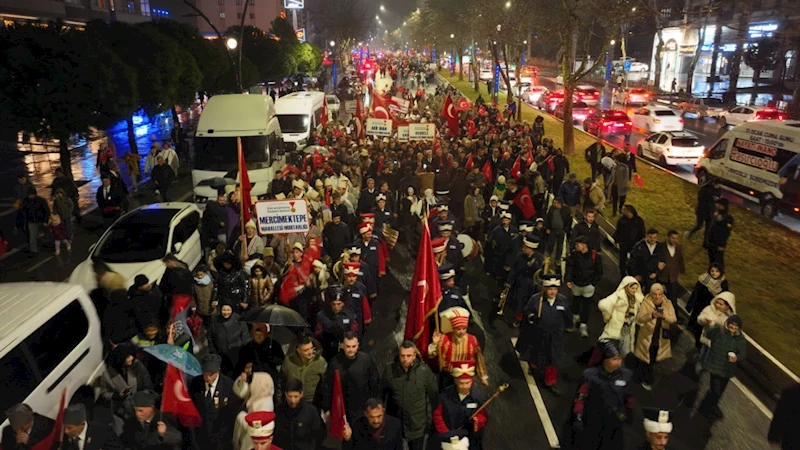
(200, 199)
(301, 142)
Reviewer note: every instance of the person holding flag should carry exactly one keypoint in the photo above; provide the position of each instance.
(148, 429)
(426, 294)
(358, 377)
(213, 395)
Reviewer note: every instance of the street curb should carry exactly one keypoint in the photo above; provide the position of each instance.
(771, 376)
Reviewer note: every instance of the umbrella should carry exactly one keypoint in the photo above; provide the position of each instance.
(177, 356)
(217, 182)
(276, 315)
(311, 148)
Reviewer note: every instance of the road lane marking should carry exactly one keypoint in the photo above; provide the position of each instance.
(39, 264)
(11, 252)
(538, 401)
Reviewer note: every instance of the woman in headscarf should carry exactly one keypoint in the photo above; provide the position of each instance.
(124, 376)
(619, 313)
(257, 391)
(709, 284)
(226, 336)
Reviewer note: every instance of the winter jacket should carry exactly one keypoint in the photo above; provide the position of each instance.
(584, 269)
(719, 230)
(615, 309)
(311, 373)
(570, 192)
(112, 384)
(593, 198)
(620, 175)
(203, 297)
(473, 206)
(226, 334)
(409, 394)
(629, 231)
(647, 326)
(591, 232)
(643, 263)
(566, 219)
(231, 286)
(299, 428)
(265, 357)
(722, 343)
(711, 317)
(146, 305)
(35, 210)
(64, 207)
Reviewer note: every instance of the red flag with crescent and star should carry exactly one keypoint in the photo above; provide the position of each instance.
(380, 107)
(524, 202)
(516, 168)
(324, 119)
(426, 293)
(244, 184)
(463, 104)
(449, 113)
(338, 411)
(56, 433)
(295, 280)
(470, 163)
(176, 400)
(487, 171)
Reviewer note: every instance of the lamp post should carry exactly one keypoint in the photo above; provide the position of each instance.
(609, 60)
(333, 53)
(232, 44)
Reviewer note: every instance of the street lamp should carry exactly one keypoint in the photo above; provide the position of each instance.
(383, 8)
(508, 4)
(452, 35)
(231, 43)
(333, 69)
(609, 60)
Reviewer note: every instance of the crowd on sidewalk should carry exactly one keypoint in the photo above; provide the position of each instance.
(486, 182)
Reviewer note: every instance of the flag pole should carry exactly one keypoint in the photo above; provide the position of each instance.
(241, 197)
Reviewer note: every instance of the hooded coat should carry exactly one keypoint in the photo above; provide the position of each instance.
(722, 343)
(226, 334)
(258, 395)
(647, 327)
(710, 317)
(614, 309)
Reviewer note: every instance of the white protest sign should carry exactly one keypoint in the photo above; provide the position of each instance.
(399, 105)
(421, 131)
(402, 133)
(379, 127)
(282, 216)
(350, 106)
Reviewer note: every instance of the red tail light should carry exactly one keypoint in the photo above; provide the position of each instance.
(680, 120)
(628, 123)
(606, 123)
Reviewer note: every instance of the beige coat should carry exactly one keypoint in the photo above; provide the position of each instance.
(647, 325)
(614, 309)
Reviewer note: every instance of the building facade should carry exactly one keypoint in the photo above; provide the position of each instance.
(228, 13)
(691, 24)
(79, 12)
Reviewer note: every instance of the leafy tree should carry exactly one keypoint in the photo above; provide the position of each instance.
(58, 82)
(762, 55)
(283, 30)
(308, 57)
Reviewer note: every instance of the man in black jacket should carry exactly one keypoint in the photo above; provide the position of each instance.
(557, 225)
(718, 232)
(375, 430)
(36, 212)
(782, 433)
(584, 272)
(297, 423)
(212, 394)
(215, 221)
(359, 376)
(163, 176)
(589, 229)
(26, 428)
(630, 230)
(148, 430)
(647, 259)
(336, 236)
(79, 434)
(593, 154)
(177, 280)
(707, 196)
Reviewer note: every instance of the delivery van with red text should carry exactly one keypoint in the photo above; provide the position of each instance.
(760, 161)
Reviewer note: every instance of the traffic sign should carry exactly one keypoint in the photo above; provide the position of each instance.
(627, 66)
(293, 4)
(301, 34)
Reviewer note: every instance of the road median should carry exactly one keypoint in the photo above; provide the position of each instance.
(761, 254)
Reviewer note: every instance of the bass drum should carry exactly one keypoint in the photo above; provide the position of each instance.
(470, 247)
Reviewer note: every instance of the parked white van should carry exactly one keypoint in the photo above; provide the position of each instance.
(49, 340)
(759, 160)
(224, 118)
(299, 113)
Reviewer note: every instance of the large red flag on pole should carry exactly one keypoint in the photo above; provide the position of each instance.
(175, 399)
(516, 168)
(426, 293)
(244, 192)
(57, 432)
(338, 411)
(524, 202)
(324, 116)
(449, 113)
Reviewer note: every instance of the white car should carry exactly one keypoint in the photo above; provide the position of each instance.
(656, 118)
(637, 66)
(333, 105)
(671, 148)
(138, 241)
(533, 93)
(741, 114)
(588, 94)
(632, 96)
(486, 74)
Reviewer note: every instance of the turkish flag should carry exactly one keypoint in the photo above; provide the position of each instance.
(487, 171)
(426, 293)
(449, 113)
(57, 432)
(471, 128)
(515, 169)
(175, 399)
(529, 157)
(324, 119)
(469, 164)
(463, 104)
(338, 412)
(380, 107)
(295, 280)
(318, 160)
(524, 202)
(244, 183)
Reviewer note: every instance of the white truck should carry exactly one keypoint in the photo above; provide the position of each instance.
(760, 161)
(299, 113)
(226, 118)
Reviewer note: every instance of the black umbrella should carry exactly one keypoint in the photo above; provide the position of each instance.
(275, 315)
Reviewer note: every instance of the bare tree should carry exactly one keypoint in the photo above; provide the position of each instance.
(345, 22)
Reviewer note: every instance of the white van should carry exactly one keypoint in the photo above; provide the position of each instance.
(49, 340)
(224, 118)
(760, 161)
(299, 113)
